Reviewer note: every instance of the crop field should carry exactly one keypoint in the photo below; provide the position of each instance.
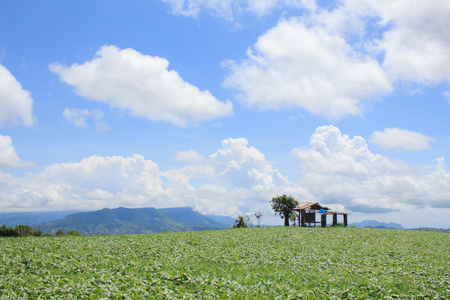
(252, 263)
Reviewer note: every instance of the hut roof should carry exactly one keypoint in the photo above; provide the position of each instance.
(310, 206)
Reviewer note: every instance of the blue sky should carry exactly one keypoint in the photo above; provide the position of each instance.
(222, 105)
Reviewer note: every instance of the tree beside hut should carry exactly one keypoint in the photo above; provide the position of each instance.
(284, 206)
(288, 208)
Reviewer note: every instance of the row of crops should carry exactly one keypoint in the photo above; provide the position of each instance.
(253, 263)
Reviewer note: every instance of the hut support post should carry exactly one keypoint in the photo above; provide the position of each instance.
(345, 220)
(302, 214)
(323, 220)
(334, 219)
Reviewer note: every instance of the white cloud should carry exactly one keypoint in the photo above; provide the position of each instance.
(93, 183)
(114, 174)
(8, 156)
(236, 179)
(418, 43)
(143, 85)
(332, 152)
(78, 116)
(292, 65)
(411, 35)
(343, 171)
(190, 156)
(332, 60)
(230, 9)
(401, 139)
(16, 104)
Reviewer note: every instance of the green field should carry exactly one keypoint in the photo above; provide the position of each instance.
(253, 263)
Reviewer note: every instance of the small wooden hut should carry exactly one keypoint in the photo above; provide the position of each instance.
(307, 214)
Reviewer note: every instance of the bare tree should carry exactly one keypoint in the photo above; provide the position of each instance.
(258, 216)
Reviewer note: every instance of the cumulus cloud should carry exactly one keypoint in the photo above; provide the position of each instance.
(332, 60)
(417, 44)
(395, 138)
(93, 183)
(332, 152)
(409, 37)
(337, 170)
(8, 156)
(229, 9)
(343, 171)
(77, 117)
(142, 85)
(235, 179)
(293, 65)
(16, 104)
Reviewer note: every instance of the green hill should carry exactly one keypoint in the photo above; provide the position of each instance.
(131, 221)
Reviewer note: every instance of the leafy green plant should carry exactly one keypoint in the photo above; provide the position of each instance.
(268, 263)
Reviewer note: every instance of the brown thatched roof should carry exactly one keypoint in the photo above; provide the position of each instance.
(310, 206)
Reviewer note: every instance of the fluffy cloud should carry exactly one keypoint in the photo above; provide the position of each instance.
(401, 139)
(78, 117)
(229, 9)
(410, 35)
(16, 104)
(417, 44)
(235, 179)
(340, 170)
(93, 183)
(332, 152)
(8, 156)
(336, 170)
(333, 59)
(143, 85)
(293, 65)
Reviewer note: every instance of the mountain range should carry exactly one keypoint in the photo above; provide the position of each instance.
(133, 221)
(376, 224)
(140, 220)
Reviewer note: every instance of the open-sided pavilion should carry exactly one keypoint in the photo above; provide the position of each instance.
(307, 214)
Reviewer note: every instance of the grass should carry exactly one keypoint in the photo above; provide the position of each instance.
(253, 263)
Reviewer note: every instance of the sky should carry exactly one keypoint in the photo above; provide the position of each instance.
(221, 105)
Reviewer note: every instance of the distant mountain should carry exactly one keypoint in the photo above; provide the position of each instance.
(376, 224)
(33, 218)
(130, 221)
(222, 219)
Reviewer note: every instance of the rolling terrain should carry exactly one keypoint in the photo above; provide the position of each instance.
(132, 221)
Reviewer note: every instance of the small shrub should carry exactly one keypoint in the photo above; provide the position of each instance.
(241, 222)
